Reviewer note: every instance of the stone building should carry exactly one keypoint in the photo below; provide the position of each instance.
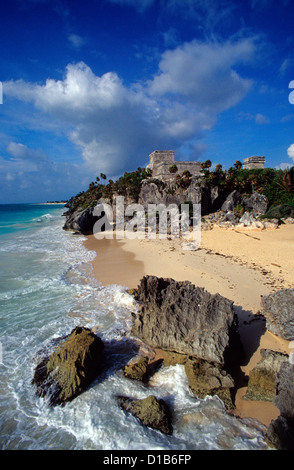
(162, 160)
(253, 162)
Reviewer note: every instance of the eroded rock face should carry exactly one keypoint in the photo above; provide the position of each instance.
(257, 203)
(152, 412)
(280, 432)
(208, 379)
(262, 379)
(136, 369)
(71, 368)
(180, 317)
(278, 309)
(81, 221)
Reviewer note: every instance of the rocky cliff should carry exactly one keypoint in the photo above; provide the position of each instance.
(215, 197)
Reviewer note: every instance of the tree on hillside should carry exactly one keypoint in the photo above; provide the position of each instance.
(173, 168)
(205, 165)
(238, 165)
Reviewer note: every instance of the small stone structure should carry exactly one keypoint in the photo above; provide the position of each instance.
(253, 162)
(162, 160)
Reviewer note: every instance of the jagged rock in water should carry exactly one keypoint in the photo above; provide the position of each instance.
(152, 412)
(209, 379)
(278, 309)
(204, 378)
(280, 432)
(136, 369)
(71, 368)
(81, 221)
(180, 317)
(262, 378)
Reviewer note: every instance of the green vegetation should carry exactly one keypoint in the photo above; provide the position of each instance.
(126, 185)
(276, 185)
(173, 168)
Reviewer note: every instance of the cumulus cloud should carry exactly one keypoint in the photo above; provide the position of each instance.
(205, 74)
(115, 125)
(290, 152)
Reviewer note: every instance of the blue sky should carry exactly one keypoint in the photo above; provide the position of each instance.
(96, 86)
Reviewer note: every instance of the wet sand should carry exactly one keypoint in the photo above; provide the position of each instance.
(240, 265)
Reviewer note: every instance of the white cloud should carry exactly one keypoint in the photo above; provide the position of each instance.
(258, 118)
(261, 119)
(290, 152)
(114, 125)
(205, 74)
(76, 41)
(31, 170)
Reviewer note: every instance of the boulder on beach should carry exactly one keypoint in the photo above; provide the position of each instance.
(204, 378)
(136, 369)
(262, 378)
(71, 368)
(180, 317)
(81, 221)
(280, 432)
(256, 203)
(151, 411)
(209, 379)
(278, 309)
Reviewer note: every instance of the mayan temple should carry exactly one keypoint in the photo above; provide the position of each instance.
(162, 160)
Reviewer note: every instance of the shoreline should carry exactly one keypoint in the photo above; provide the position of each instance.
(241, 266)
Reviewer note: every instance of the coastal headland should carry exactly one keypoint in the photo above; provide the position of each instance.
(240, 265)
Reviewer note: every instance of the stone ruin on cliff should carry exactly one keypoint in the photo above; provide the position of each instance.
(162, 160)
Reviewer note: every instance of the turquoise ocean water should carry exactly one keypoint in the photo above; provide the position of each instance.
(46, 289)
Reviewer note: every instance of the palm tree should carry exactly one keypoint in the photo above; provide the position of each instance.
(238, 165)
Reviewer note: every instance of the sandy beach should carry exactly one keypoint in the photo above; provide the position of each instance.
(241, 265)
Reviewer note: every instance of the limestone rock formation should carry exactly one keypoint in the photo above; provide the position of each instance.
(257, 203)
(231, 202)
(178, 316)
(280, 432)
(278, 309)
(71, 368)
(262, 379)
(80, 221)
(209, 379)
(152, 412)
(136, 369)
